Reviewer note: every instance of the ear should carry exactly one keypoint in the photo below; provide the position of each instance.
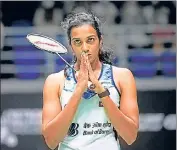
(101, 41)
(101, 44)
(71, 48)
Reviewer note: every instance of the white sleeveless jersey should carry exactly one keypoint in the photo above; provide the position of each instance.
(91, 129)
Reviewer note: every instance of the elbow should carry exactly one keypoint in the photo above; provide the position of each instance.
(131, 141)
(133, 135)
(132, 138)
(51, 145)
(50, 142)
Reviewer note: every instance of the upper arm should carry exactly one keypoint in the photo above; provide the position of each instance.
(51, 102)
(128, 102)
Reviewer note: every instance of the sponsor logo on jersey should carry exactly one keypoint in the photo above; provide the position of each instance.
(73, 130)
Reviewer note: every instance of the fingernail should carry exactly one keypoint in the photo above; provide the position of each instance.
(83, 52)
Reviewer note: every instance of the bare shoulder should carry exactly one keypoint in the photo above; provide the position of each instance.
(124, 78)
(55, 79)
(122, 72)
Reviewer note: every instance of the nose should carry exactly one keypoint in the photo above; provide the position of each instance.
(85, 48)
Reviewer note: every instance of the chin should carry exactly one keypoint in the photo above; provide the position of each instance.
(90, 60)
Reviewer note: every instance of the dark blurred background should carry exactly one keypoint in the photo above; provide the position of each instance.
(143, 38)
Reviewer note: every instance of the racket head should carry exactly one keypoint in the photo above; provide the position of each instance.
(46, 43)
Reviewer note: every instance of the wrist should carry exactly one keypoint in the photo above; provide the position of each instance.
(104, 93)
(79, 90)
(100, 89)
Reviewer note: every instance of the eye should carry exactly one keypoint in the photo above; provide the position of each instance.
(91, 40)
(77, 42)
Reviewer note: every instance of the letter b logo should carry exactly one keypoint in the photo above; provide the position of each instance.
(73, 129)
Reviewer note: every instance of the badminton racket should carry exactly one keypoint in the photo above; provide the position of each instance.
(50, 45)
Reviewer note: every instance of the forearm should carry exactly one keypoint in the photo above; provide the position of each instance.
(55, 131)
(125, 126)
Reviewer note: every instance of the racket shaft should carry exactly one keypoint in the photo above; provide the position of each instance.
(65, 61)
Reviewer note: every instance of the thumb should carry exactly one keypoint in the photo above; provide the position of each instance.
(89, 67)
(76, 75)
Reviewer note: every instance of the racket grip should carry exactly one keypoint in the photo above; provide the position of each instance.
(91, 86)
(89, 83)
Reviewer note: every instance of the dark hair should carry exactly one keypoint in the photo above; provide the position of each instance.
(78, 19)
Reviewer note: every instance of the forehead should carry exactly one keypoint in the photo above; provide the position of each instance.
(83, 31)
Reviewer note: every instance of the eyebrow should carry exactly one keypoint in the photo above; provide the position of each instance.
(87, 37)
(91, 36)
(75, 39)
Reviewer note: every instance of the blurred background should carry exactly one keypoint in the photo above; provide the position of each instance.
(143, 37)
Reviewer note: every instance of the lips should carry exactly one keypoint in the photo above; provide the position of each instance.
(89, 55)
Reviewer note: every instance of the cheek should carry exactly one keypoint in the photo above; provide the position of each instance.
(95, 48)
(76, 51)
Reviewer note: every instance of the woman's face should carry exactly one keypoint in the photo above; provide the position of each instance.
(85, 38)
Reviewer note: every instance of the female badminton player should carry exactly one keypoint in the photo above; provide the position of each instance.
(76, 116)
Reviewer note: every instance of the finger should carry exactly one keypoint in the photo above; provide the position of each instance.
(92, 77)
(82, 62)
(89, 68)
(76, 75)
(85, 61)
(83, 67)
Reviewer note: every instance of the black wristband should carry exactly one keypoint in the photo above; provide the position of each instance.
(103, 94)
